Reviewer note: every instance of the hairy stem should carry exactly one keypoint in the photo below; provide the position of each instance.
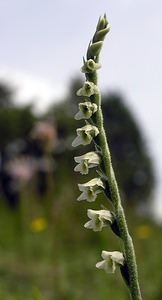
(116, 201)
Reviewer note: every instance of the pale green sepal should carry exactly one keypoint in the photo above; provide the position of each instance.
(95, 48)
(102, 23)
(100, 35)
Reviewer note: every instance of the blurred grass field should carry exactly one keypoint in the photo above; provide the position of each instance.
(46, 254)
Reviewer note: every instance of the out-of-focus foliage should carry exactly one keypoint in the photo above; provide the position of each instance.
(6, 94)
(130, 155)
(15, 123)
(131, 160)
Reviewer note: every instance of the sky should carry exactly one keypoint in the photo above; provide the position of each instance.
(43, 42)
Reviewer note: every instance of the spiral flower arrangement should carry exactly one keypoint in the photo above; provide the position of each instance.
(105, 182)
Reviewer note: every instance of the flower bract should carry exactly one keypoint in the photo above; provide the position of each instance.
(86, 161)
(98, 219)
(110, 260)
(90, 189)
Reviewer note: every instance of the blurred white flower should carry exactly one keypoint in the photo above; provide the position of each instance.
(90, 189)
(110, 260)
(88, 89)
(85, 135)
(86, 161)
(86, 109)
(98, 219)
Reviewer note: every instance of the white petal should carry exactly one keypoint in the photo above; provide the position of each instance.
(77, 141)
(118, 257)
(115, 256)
(81, 197)
(82, 168)
(91, 183)
(91, 195)
(77, 168)
(79, 116)
(91, 213)
(106, 215)
(101, 264)
(88, 225)
(91, 157)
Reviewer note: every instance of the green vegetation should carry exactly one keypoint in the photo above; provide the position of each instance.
(58, 262)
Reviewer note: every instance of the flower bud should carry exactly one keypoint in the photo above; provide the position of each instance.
(102, 23)
(100, 35)
(94, 49)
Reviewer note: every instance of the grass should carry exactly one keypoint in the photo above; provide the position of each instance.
(57, 262)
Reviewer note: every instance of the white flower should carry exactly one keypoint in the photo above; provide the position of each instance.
(90, 66)
(86, 110)
(90, 189)
(86, 161)
(110, 260)
(85, 135)
(98, 219)
(88, 89)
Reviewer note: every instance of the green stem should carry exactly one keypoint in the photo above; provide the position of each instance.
(116, 201)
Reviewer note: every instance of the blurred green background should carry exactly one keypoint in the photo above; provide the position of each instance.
(45, 252)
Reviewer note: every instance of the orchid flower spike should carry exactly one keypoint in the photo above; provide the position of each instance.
(110, 260)
(90, 189)
(98, 219)
(86, 161)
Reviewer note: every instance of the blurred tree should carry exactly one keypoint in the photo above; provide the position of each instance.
(6, 94)
(130, 156)
(15, 123)
(131, 160)
(64, 112)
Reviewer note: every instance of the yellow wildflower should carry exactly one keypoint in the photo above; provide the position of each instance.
(38, 224)
(143, 232)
